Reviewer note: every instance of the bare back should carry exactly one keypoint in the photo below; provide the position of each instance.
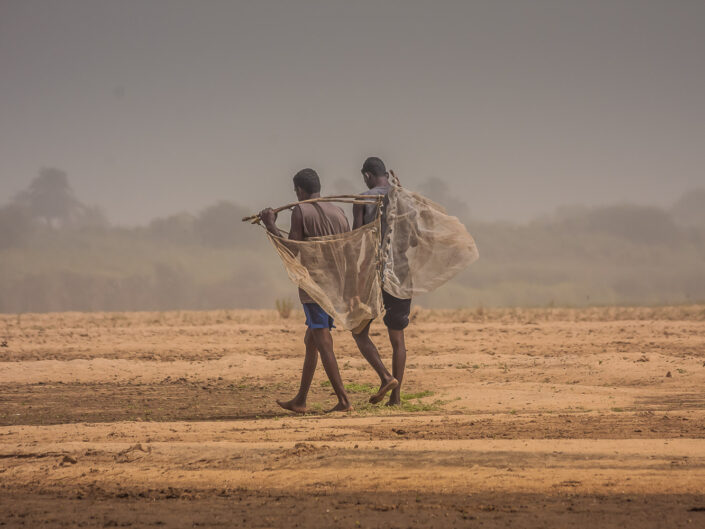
(323, 218)
(319, 219)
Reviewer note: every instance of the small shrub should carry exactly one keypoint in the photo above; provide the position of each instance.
(284, 307)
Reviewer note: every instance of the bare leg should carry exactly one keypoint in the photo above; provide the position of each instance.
(298, 403)
(324, 343)
(398, 363)
(371, 354)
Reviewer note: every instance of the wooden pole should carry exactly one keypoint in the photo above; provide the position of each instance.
(349, 199)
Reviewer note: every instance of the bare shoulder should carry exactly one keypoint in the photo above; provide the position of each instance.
(297, 214)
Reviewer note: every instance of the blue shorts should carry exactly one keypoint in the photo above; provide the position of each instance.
(316, 317)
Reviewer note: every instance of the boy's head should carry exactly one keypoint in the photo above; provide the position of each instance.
(306, 183)
(372, 171)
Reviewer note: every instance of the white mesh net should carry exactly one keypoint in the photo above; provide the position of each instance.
(340, 272)
(423, 248)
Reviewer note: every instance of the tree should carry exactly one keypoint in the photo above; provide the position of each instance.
(641, 224)
(15, 226)
(50, 197)
(438, 191)
(689, 210)
(179, 228)
(220, 225)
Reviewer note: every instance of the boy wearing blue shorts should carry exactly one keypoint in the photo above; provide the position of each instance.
(313, 220)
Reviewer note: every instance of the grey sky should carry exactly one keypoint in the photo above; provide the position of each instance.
(153, 107)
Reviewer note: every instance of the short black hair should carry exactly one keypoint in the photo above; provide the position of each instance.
(307, 179)
(374, 166)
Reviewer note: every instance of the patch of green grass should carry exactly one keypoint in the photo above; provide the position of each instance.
(410, 402)
(617, 409)
(354, 387)
(421, 406)
(406, 406)
(417, 395)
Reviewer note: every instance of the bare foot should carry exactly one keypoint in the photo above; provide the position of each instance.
(383, 390)
(340, 407)
(291, 406)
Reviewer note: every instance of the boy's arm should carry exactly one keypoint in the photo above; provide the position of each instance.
(269, 219)
(358, 215)
(296, 233)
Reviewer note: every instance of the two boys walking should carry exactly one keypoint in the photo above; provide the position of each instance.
(324, 218)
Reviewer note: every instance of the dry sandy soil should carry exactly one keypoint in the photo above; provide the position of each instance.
(512, 418)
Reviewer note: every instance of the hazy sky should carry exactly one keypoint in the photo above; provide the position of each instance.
(154, 107)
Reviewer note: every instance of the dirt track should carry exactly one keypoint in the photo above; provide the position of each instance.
(520, 418)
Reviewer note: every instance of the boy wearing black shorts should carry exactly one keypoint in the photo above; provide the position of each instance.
(396, 316)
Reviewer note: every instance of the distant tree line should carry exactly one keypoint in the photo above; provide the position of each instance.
(57, 253)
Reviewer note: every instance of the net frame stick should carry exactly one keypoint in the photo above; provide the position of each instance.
(348, 199)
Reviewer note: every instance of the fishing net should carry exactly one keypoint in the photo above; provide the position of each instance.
(340, 272)
(423, 247)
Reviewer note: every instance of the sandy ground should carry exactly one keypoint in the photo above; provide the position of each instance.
(512, 418)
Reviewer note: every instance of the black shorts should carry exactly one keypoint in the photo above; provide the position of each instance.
(396, 315)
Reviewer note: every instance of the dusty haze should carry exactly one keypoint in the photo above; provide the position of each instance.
(568, 136)
(156, 107)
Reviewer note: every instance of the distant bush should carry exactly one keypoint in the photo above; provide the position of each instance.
(689, 210)
(644, 224)
(220, 225)
(284, 307)
(179, 229)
